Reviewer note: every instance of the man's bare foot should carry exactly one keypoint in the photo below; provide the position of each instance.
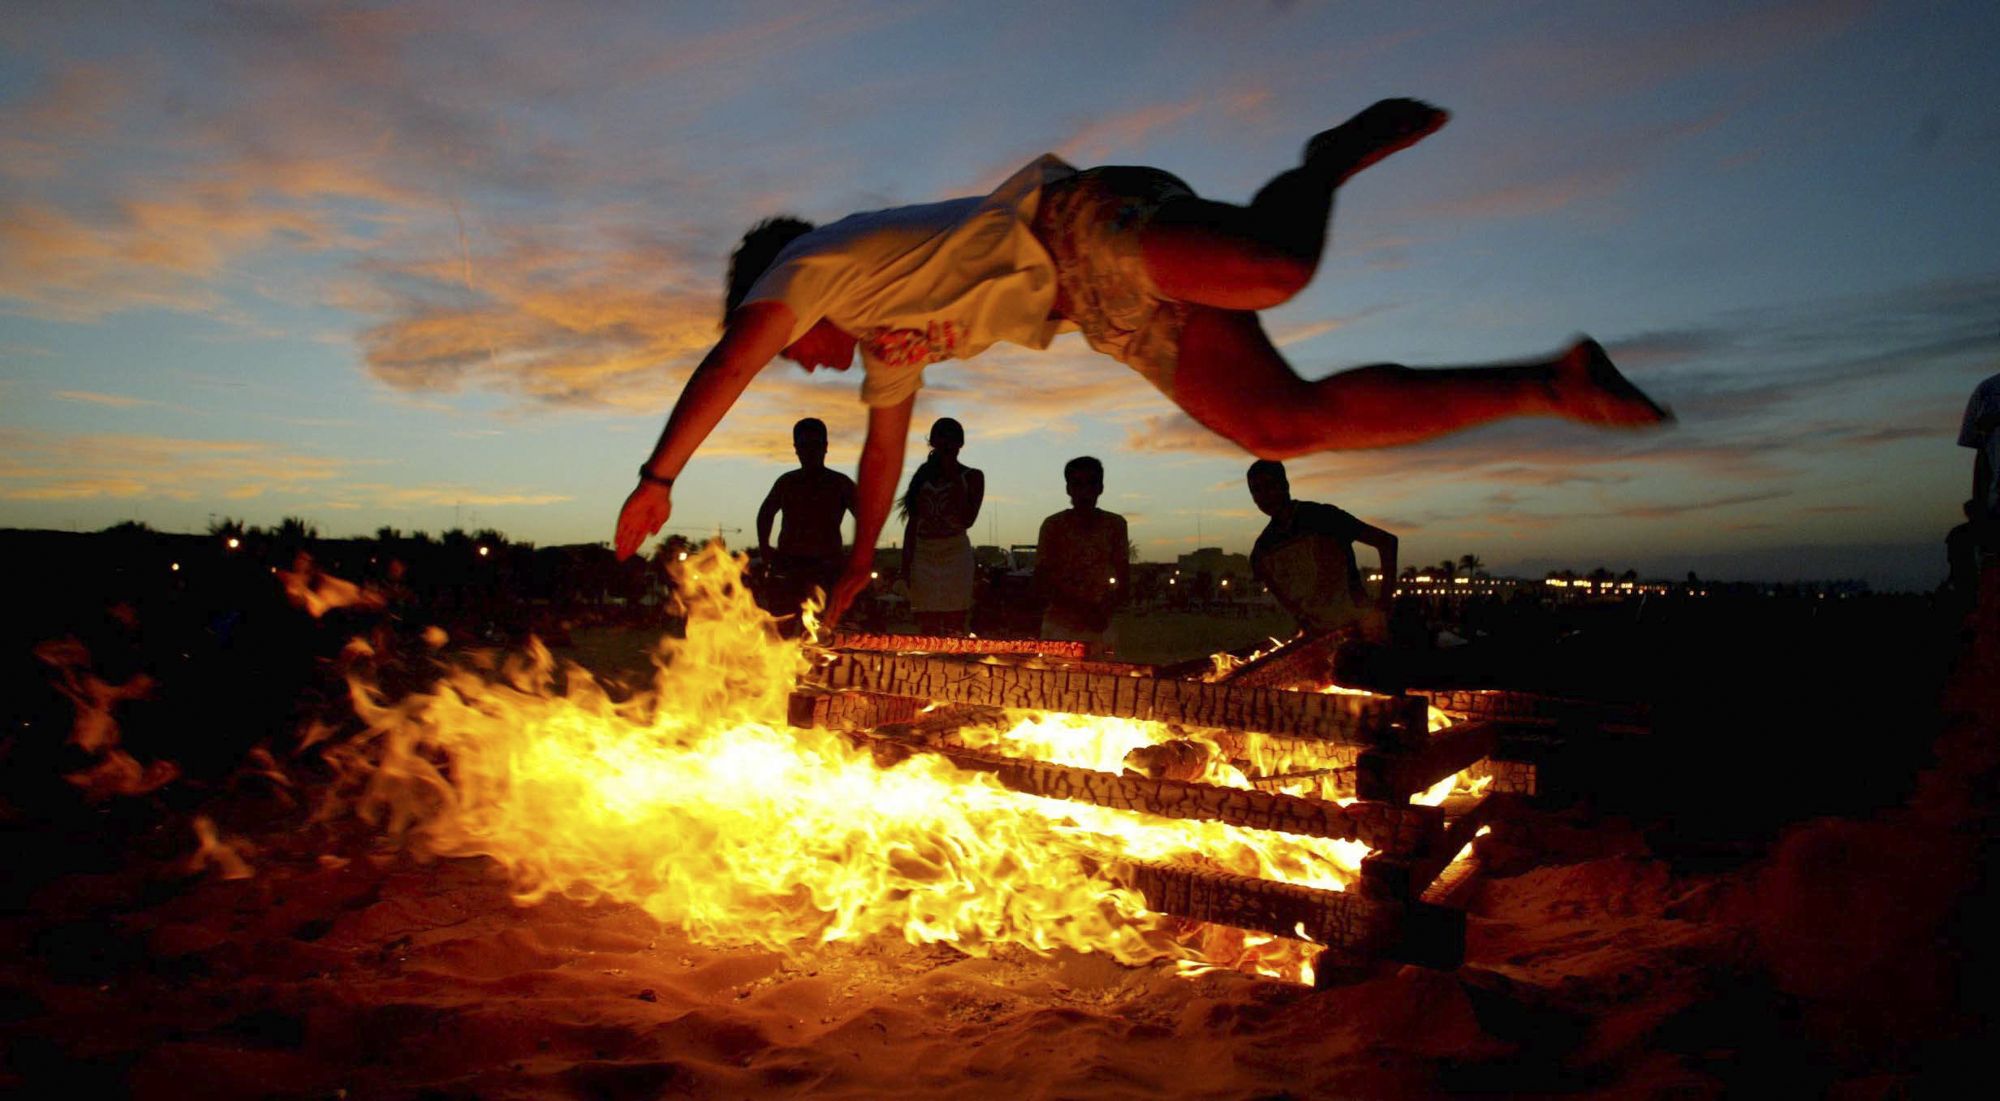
(1379, 130)
(1588, 388)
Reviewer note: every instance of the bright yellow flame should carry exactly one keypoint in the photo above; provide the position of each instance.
(695, 802)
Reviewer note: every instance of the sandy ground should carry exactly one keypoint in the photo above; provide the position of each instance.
(1848, 960)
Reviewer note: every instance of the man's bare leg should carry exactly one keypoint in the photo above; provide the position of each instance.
(1231, 379)
(1257, 256)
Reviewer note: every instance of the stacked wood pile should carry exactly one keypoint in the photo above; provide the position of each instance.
(1375, 749)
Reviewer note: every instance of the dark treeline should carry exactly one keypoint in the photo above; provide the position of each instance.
(479, 583)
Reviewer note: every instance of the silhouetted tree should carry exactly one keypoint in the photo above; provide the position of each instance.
(1471, 566)
(129, 527)
(296, 529)
(226, 528)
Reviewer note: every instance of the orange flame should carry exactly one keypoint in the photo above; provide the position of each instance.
(226, 856)
(694, 801)
(319, 592)
(116, 772)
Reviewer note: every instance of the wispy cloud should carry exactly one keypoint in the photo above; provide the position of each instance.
(116, 401)
(40, 466)
(382, 495)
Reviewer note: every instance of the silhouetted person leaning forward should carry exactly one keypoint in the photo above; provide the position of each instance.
(812, 500)
(1082, 563)
(1306, 557)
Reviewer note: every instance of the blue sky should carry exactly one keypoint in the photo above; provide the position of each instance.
(434, 264)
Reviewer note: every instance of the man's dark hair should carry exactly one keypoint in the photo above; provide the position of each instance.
(1267, 468)
(1083, 462)
(753, 256)
(809, 424)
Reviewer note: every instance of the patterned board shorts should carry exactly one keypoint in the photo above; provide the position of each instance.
(1090, 223)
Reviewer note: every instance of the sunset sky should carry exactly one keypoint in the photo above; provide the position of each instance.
(431, 265)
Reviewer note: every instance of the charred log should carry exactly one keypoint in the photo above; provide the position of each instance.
(947, 644)
(1401, 773)
(1340, 718)
(1388, 827)
(1412, 932)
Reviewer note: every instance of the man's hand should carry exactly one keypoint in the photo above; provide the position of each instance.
(645, 510)
(852, 580)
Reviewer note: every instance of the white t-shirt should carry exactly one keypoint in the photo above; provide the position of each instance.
(920, 284)
(1984, 409)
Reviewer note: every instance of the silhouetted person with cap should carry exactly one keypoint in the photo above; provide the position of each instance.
(1082, 562)
(1305, 555)
(812, 500)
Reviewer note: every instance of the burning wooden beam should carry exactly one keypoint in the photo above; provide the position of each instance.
(1306, 660)
(1340, 777)
(850, 710)
(948, 644)
(1408, 875)
(1453, 886)
(1401, 773)
(1509, 777)
(1534, 709)
(1341, 718)
(1412, 932)
(1387, 827)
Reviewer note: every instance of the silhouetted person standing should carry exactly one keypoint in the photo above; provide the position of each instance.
(1306, 556)
(1082, 562)
(1960, 590)
(1980, 431)
(812, 500)
(939, 507)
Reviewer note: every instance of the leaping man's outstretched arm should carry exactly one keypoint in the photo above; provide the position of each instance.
(755, 334)
(875, 491)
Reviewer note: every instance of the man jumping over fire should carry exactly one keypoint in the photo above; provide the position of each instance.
(1153, 275)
